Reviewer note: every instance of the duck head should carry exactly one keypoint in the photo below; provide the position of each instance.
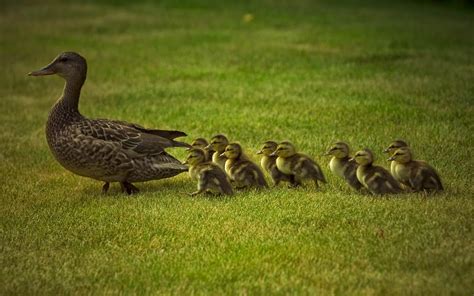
(233, 151)
(339, 150)
(401, 155)
(364, 157)
(67, 65)
(195, 156)
(394, 146)
(268, 148)
(218, 143)
(284, 149)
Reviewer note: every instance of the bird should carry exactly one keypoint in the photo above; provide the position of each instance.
(375, 178)
(342, 165)
(102, 149)
(415, 174)
(391, 149)
(242, 171)
(210, 177)
(300, 166)
(218, 144)
(268, 163)
(204, 145)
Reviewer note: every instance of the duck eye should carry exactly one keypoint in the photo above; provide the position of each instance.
(63, 59)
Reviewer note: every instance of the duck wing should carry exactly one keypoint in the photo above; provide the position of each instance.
(168, 134)
(134, 141)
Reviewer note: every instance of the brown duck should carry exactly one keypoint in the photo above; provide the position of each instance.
(102, 149)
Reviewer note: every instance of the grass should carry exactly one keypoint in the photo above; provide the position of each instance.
(313, 72)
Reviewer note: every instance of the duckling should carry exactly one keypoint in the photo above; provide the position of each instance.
(375, 178)
(242, 171)
(415, 174)
(210, 177)
(299, 165)
(203, 144)
(391, 149)
(218, 144)
(269, 164)
(342, 165)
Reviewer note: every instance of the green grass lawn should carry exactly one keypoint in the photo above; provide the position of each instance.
(312, 72)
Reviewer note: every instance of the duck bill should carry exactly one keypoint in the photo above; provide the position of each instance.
(390, 158)
(43, 71)
(222, 154)
(386, 150)
(259, 152)
(186, 162)
(273, 154)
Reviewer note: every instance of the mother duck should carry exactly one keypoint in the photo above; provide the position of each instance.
(101, 149)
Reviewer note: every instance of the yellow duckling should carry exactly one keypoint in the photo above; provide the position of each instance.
(242, 171)
(298, 165)
(415, 174)
(268, 163)
(210, 177)
(391, 149)
(375, 178)
(203, 144)
(342, 165)
(218, 144)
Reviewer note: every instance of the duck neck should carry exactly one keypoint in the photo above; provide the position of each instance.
(69, 100)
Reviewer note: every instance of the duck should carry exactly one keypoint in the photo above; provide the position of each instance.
(417, 175)
(204, 145)
(268, 163)
(391, 149)
(375, 178)
(102, 149)
(342, 165)
(210, 177)
(299, 165)
(242, 171)
(218, 144)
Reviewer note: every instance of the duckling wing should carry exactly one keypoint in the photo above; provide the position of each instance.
(215, 177)
(131, 139)
(381, 181)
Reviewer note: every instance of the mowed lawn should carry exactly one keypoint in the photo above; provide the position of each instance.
(312, 72)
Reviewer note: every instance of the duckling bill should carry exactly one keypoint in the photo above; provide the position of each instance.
(242, 171)
(268, 163)
(415, 174)
(300, 166)
(210, 177)
(343, 165)
(375, 178)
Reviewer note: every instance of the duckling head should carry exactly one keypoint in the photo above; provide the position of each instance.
(200, 143)
(394, 146)
(219, 143)
(339, 150)
(195, 156)
(67, 65)
(233, 151)
(285, 149)
(364, 157)
(401, 155)
(268, 148)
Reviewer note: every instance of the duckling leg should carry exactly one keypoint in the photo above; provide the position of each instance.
(129, 188)
(105, 188)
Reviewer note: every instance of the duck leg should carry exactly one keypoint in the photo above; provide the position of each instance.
(129, 188)
(105, 188)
